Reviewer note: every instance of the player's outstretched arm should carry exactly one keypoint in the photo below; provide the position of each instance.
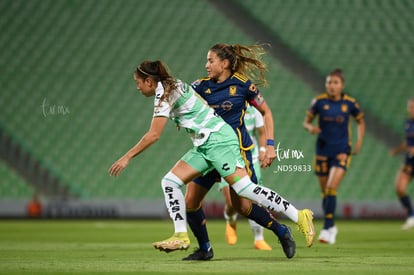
(153, 134)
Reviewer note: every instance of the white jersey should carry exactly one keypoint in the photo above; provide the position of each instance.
(188, 111)
(253, 119)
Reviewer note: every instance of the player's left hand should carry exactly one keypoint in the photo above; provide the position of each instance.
(269, 157)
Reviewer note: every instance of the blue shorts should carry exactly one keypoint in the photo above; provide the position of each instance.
(408, 167)
(323, 164)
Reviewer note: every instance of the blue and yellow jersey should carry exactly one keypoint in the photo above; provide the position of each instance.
(229, 99)
(409, 132)
(334, 122)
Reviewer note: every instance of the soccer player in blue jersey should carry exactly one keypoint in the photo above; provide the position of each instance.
(233, 71)
(215, 146)
(253, 120)
(333, 145)
(406, 173)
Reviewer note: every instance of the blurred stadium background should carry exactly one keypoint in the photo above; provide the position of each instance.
(69, 106)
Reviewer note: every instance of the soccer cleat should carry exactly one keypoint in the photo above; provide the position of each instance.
(178, 241)
(231, 235)
(409, 223)
(324, 236)
(305, 225)
(332, 232)
(262, 245)
(288, 243)
(200, 255)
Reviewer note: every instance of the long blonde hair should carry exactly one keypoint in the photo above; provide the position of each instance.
(246, 60)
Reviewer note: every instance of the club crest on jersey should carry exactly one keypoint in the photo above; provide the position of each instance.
(326, 107)
(232, 90)
(344, 108)
(253, 88)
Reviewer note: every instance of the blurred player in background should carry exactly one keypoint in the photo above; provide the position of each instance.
(333, 145)
(216, 146)
(232, 71)
(253, 120)
(406, 173)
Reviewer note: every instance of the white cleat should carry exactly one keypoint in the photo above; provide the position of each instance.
(409, 223)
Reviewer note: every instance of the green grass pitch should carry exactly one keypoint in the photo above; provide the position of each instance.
(125, 247)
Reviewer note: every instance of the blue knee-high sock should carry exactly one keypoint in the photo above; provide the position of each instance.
(406, 203)
(330, 206)
(197, 221)
(263, 217)
(324, 202)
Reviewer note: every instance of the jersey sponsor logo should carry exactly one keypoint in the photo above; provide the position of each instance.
(173, 204)
(344, 108)
(340, 119)
(208, 91)
(233, 90)
(272, 197)
(227, 105)
(337, 119)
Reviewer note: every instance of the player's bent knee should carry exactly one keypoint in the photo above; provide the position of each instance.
(170, 180)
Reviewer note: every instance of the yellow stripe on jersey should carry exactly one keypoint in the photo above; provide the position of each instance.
(240, 77)
(349, 133)
(241, 117)
(243, 112)
(359, 117)
(349, 98)
(309, 115)
(240, 142)
(322, 96)
(247, 163)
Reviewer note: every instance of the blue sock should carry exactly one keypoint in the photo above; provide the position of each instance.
(265, 219)
(330, 205)
(406, 202)
(197, 222)
(324, 203)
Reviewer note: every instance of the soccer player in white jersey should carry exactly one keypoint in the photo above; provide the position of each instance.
(215, 147)
(253, 120)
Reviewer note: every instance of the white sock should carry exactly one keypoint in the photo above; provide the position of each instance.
(174, 200)
(266, 197)
(257, 230)
(230, 219)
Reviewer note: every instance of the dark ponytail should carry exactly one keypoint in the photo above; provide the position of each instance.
(158, 71)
